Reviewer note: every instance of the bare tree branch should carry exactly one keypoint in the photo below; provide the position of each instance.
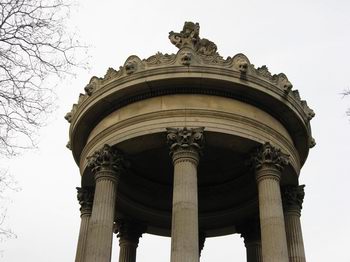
(34, 45)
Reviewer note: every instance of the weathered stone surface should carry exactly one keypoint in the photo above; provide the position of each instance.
(239, 105)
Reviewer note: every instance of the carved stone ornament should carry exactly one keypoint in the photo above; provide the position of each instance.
(185, 138)
(293, 196)
(69, 115)
(312, 142)
(106, 158)
(189, 37)
(129, 230)
(269, 155)
(93, 85)
(85, 197)
(196, 52)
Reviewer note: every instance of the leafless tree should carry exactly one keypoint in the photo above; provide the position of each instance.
(34, 45)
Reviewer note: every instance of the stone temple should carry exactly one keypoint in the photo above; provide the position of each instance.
(190, 146)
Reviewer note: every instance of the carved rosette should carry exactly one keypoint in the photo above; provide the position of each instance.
(293, 197)
(85, 196)
(128, 231)
(269, 156)
(106, 158)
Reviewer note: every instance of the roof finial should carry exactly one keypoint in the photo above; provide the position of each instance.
(189, 37)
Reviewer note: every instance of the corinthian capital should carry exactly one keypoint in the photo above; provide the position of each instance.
(85, 197)
(185, 138)
(293, 196)
(269, 155)
(106, 158)
(129, 230)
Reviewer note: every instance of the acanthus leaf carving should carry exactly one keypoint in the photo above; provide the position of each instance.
(160, 58)
(185, 138)
(293, 196)
(85, 196)
(107, 158)
(269, 155)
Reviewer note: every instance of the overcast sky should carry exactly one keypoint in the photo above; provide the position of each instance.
(307, 40)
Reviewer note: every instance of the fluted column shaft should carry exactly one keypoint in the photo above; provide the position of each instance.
(293, 198)
(184, 229)
(273, 234)
(253, 251)
(127, 252)
(106, 164)
(99, 246)
(85, 197)
(250, 231)
(128, 234)
(269, 162)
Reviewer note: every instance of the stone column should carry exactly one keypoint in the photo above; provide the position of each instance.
(106, 165)
(185, 145)
(268, 163)
(250, 231)
(201, 242)
(293, 197)
(85, 198)
(128, 234)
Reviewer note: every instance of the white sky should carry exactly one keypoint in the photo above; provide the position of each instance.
(307, 40)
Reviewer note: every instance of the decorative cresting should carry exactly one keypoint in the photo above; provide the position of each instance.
(107, 158)
(107, 164)
(268, 163)
(185, 146)
(85, 197)
(129, 233)
(293, 197)
(196, 52)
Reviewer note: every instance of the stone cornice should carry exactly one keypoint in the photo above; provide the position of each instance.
(194, 52)
(267, 155)
(106, 158)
